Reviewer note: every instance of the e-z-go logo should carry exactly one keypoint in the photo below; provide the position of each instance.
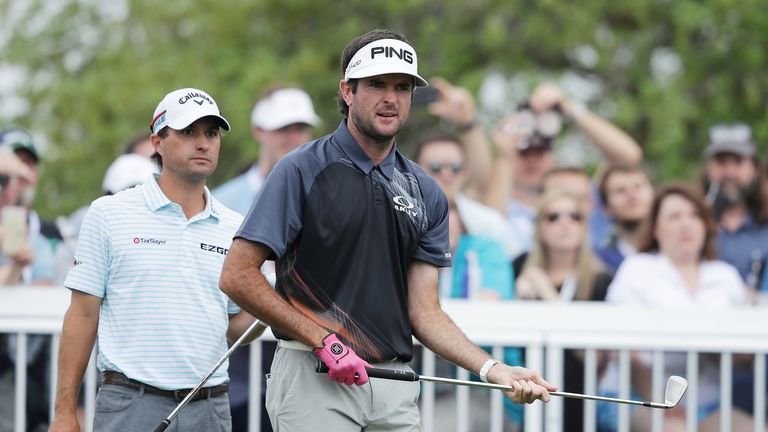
(405, 205)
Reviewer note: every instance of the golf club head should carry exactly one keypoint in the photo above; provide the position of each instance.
(676, 387)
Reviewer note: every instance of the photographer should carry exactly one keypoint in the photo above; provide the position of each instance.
(456, 106)
(524, 143)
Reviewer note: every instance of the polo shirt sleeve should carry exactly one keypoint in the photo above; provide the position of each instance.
(275, 217)
(627, 284)
(90, 268)
(434, 246)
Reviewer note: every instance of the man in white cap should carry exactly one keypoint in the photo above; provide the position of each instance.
(281, 121)
(358, 232)
(145, 279)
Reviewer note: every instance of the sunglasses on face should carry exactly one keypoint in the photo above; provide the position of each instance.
(437, 167)
(555, 216)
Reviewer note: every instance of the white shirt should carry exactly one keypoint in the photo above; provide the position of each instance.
(484, 221)
(652, 280)
(163, 319)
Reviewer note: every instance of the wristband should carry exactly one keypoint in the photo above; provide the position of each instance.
(487, 368)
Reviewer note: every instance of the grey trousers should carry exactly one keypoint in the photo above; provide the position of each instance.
(127, 410)
(300, 399)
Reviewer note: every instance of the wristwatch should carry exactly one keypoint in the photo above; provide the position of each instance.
(487, 368)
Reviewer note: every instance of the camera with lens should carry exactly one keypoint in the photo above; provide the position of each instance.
(540, 128)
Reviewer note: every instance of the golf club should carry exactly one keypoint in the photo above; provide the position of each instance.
(676, 386)
(167, 421)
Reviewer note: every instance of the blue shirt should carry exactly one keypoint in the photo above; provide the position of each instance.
(239, 193)
(163, 319)
(746, 249)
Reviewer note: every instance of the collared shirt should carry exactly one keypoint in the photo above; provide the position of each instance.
(746, 248)
(344, 232)
(239, 193)
(163, 318)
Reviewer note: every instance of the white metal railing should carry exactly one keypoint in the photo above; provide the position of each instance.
(543, 329)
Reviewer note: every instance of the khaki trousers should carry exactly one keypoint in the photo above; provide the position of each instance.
(300, 399)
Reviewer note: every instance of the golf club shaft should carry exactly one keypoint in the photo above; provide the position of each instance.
(167, 421)
(412, 376)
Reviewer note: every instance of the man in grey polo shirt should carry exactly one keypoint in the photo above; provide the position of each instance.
(358, 232)
(145, 278)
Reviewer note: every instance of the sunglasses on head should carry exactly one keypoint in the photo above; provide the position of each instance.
(437, 167)
(555, 216)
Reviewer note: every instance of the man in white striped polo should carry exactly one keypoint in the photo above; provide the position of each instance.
(145, 279)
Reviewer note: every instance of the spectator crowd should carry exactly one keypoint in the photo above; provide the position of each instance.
(522, 227)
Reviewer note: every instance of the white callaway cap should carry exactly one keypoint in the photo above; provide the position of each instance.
(284, 107)
(384, 56)
(180, 108)
(126, 171)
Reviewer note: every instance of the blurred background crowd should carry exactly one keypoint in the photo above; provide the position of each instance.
(605, 151)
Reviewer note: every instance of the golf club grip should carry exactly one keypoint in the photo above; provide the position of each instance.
(379, 373)
(162, 426)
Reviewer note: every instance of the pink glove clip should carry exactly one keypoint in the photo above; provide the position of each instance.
(344, 365)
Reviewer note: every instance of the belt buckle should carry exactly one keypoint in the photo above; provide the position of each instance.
(179, 394)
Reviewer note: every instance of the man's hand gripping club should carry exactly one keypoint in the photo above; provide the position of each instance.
(344, 365)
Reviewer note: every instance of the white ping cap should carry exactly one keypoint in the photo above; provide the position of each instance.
(384, 56)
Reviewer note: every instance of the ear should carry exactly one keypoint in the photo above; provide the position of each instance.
(156, 143)
(346, 91)
(258, 134)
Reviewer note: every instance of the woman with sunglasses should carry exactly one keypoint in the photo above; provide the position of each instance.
(562, 267)
(676, 268)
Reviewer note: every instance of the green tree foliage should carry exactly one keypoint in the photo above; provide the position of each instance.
(96, 70)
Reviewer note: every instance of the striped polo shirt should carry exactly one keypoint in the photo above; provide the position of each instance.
(163, 318)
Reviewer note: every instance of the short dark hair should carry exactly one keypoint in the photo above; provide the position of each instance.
(353, 47)
(602, 187)
(435, 139)
(649, 243)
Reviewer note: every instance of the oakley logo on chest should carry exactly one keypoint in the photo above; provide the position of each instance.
(214, 248)
(404, 204)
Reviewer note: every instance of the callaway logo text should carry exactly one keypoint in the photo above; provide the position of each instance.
(193, 95)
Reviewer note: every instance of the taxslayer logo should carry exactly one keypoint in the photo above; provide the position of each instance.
(391, 52)
(404, 204)
(336, 349)
(149, 240)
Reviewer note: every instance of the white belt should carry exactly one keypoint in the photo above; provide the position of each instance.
(292, 344)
